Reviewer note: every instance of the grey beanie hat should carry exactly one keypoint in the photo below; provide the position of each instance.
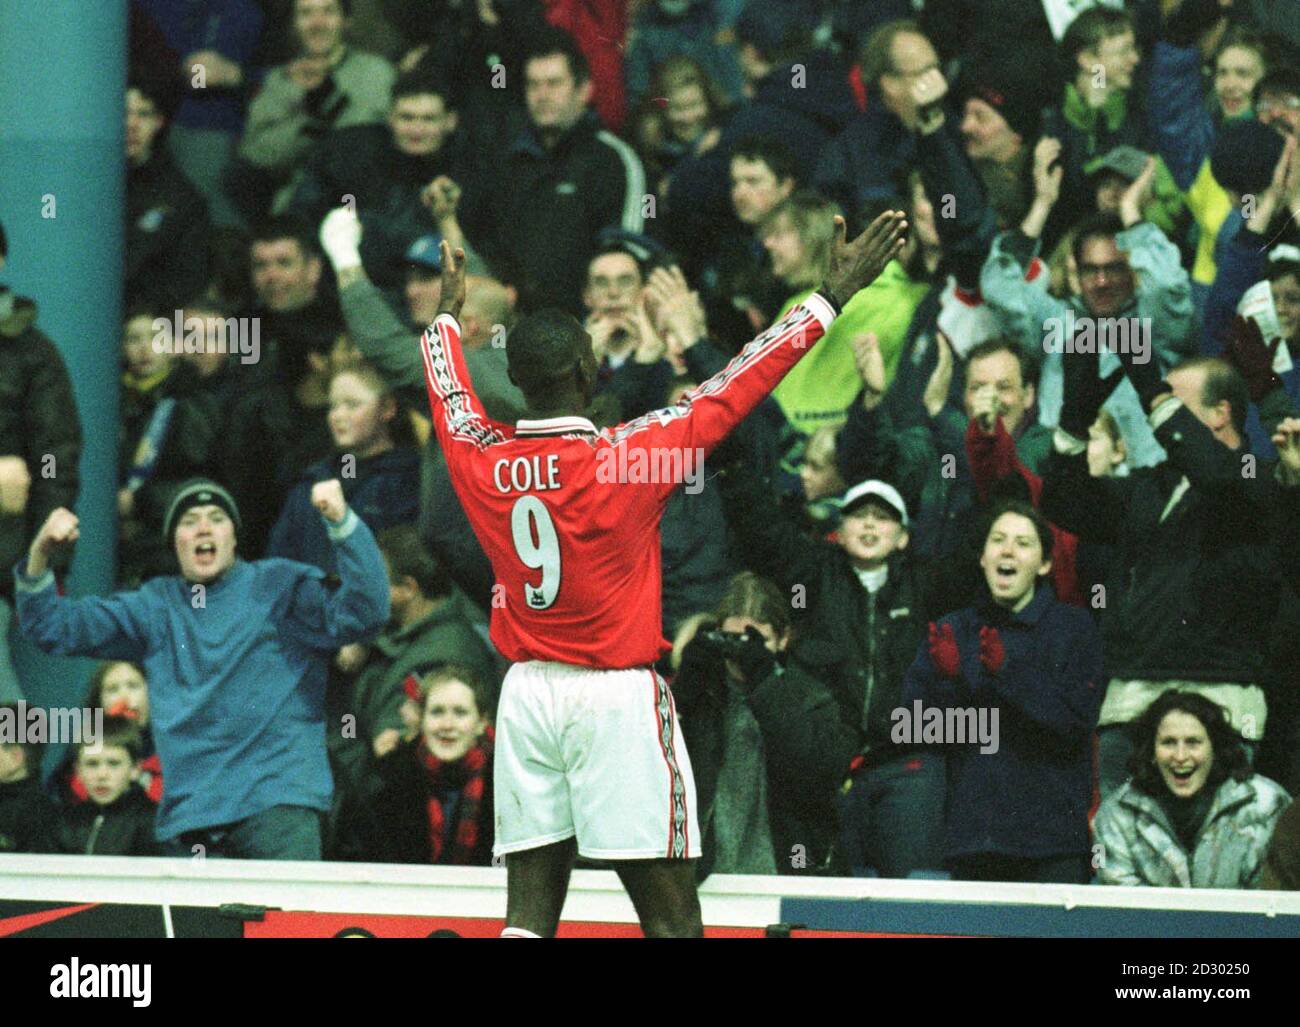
(198, 492)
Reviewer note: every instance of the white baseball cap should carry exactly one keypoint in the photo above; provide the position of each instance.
(881, 490)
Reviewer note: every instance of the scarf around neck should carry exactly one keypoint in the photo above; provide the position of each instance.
(460, 784)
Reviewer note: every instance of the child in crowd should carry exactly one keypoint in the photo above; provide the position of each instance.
(117, 819)
(119, 688)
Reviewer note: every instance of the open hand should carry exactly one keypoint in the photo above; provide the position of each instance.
(936, 389)
(871, 367)
(678, 312)
(856, 264)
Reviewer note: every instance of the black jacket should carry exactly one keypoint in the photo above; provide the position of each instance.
(362, 162)
(548, 207)
(38, 422)
(166, 236)
(1192, 596)
(391, 812)
(806, 749)
(122, 828)
(28, 818)
(858, 643)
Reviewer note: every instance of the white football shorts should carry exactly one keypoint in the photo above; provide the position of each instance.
(595, 754)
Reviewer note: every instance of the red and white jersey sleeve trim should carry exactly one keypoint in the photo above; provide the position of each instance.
(457, 413)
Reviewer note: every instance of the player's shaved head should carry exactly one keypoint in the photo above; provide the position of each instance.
(550, 358)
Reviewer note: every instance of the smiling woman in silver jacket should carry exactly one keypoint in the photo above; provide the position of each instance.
(1193, 815)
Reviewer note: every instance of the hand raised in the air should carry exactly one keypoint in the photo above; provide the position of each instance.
(327, 497)
(453, 280)
(870, 363)
(856, 264)
(60, 529)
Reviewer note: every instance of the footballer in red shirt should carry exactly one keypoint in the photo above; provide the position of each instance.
(589, 756)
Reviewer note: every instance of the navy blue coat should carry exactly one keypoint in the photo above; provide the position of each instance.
(1030, 798)
(385, 492)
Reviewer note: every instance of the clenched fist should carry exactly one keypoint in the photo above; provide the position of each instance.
(60, 529)
(327, 497)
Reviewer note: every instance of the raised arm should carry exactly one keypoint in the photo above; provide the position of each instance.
(112, 627)
(704, 416)
(358, 609)
(378, 332)
(458, 415)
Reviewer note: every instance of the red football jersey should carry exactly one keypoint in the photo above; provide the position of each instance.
(569, 515)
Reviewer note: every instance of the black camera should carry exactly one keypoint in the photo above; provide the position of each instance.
(727, 644)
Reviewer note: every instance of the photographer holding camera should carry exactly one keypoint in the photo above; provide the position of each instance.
(864, 602)
(765, 737)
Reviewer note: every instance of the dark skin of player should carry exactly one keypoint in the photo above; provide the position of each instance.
(663, 891)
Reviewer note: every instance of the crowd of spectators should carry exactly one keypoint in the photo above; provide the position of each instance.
(1044, 471)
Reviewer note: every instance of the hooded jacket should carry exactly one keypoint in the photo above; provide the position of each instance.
(1140, 846)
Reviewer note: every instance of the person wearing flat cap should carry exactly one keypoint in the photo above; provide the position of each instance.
(236, 654)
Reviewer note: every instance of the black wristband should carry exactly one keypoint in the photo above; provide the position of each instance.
(825, 293)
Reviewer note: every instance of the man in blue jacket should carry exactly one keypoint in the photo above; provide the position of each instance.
(236, 655)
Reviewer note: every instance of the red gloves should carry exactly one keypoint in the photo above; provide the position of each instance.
(943, 650)
(992, 653)
(947, 659)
